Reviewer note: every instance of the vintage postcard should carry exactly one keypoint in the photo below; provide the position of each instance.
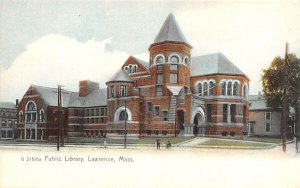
(149, 94)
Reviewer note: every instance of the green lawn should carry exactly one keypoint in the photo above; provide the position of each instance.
(265, 139)
(120, 140)
(232, 143)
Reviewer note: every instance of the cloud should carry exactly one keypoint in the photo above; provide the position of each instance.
(56, 59)
(248, 34)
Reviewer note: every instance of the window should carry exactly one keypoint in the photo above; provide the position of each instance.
(159, 60)
(245, 91)
(200, 89)
(3, 113)
(123, 115)
(233, 112)
(3, 123)
(235, 89)
(160, 68)
(211, 88)
(102, 120)
(209, 109)
(225, 113)
(126, 69)
(76, 112)
(102, 111)
(149, 106)
(123, 91)
(97, 112)
(173, 67)
(205, 89)
(158, 90)
(224, 88)
(112, 91)
(134, 68)
(92, 112)
(159, 79)
(165, 116)
(87, 112)
(156, 110)
(174, 59)
(30, 107)
(229, 88)
(130, 68)
(268, 127)
(268, 115)
(186, 61)
(173, 78)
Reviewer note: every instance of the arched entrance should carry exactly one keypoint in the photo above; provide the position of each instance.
(198, 119)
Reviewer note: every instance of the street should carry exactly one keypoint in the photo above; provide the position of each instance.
(34, 166)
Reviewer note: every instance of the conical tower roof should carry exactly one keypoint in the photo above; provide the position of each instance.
(170, 32)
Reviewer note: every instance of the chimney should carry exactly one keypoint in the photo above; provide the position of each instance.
(86, 87)
(259, 95)
(17, 103)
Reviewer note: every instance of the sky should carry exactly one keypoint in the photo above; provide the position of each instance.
(62, 42)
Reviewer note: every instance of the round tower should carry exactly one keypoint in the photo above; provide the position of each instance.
(170, 59)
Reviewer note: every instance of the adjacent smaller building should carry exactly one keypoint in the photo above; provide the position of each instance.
(263, 120)
(8, 120)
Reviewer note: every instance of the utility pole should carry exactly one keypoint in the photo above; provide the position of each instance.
(62, 127)
(125, 126)
(58, 115)
(285, 106)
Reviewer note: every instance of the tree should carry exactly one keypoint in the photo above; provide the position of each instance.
(273, 83)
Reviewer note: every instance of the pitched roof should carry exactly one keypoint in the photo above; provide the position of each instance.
(7, 105)
(49, 95)
(121, 76)
(258, 103)
(170, 31)
(95, 98)
(143, 63)
(215, 63)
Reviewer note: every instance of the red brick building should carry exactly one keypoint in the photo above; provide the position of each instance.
(178, 94)
(172, 94)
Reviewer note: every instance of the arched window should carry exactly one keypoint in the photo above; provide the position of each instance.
(134, 68)
(42, 115)
(123, 115)
(174, 59)
(245, 91)
(200, 89)
(211, 88)
(159, 60)
(31, 112)
(130, 69)
(186, 61)
(205, 89)
(126, 69)
(224, 88)
(235, 89)
(21, 117)
(229, 88)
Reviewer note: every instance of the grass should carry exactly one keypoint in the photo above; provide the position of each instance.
(232, 143)
(120, 140)
(265, 139)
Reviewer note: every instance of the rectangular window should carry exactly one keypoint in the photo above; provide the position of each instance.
(268, 115)
(3, 123)
(156, 110)
(268, 127)
(173, 67)
(102, 112)
(233, 112)
(173, 78)
(209, 112)
(112, 91)
(97, 120)
(97, 112)
(87, 112)
(225, 113)
(149, 106)
(102, 120)
(123, 90)
(165, 116)
(28, 117)
(159, 68)
(92, 112)
(159, 79)
(158, 90)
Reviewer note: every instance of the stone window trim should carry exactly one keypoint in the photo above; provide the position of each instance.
(123, 90)
(31, 112)
(165, 115)
(234, 87)
(42, 115)
(201, 83)
(3, 123)
(156, 58)
(186, 61)
(174, 55)
(119, 111)
(245, 91)
(21, 117)
(131, 68)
